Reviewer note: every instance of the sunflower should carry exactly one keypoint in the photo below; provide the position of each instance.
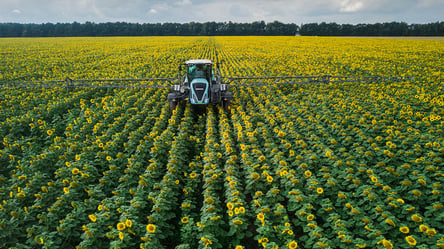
(184, 220)
(292, 245)
(238, 222)
(390, 222)
(230, 205)
(255, 176)
(128, 223)
(206, 241)
(121, 226)
(236, 210)
(416, 218)
(410, 240)
(404, 229)
(260, 216)
(151, 228)
(215, 218)
(431, 232)
(387, 244)
(92, 217)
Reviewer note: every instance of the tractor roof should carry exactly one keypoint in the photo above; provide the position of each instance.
(198, 61)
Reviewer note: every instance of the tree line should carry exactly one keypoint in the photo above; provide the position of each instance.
(377, 29)
(218, 29)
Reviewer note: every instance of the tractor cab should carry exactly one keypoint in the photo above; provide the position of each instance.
(200, 84)
(199, 69)
(198, 80)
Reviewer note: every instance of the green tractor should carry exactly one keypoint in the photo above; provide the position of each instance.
(200, 84)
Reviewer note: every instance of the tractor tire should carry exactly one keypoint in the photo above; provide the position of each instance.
(226, 105)
(173, 105)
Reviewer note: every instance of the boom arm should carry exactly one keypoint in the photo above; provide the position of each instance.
(168, 82)
(95, 83)
(293, 80)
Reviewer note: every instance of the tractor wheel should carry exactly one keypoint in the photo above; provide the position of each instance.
(226, 105)
(173, 105)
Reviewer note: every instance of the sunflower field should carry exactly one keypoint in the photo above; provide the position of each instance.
(346, 165)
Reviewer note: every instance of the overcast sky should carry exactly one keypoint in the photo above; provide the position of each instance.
(182, 11)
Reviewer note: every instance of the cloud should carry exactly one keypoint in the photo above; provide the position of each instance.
(183, 2)
(237, 10)
(289, 11)
(351, 6)
(431, 4)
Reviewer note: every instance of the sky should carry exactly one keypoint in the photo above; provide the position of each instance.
(183, 11)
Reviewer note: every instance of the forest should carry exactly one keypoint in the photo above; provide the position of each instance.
(258, 28)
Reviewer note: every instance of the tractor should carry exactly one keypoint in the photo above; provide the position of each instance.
(200, 84)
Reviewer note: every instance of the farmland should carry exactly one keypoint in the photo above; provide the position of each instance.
(348, 165)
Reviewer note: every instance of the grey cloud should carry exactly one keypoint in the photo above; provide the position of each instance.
(237, 10)
(301, 11)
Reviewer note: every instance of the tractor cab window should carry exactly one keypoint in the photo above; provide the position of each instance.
(199, 71)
